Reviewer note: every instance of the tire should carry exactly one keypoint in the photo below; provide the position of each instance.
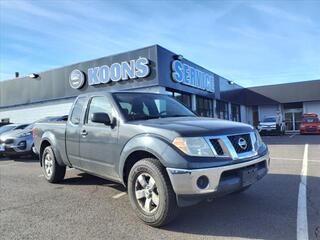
(162, 207)
(241, 190)
(52, 171)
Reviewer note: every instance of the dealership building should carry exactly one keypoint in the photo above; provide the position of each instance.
(155, 69)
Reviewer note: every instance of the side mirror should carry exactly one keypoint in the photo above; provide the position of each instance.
(101, 117)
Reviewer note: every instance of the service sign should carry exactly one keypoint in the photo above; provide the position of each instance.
(191, 76)
(133, 69)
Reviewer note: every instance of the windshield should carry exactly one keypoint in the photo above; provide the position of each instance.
(270, 119)
(310, 120)
(6, 128)
(137, 106)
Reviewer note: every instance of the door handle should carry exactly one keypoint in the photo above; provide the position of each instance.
(84, 133)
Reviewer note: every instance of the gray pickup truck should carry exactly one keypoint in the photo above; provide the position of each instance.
(165, 155)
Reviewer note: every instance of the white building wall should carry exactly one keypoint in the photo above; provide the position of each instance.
(311, 107)
(249, 116)
(267, 110)
(243, 114)
(32, 112)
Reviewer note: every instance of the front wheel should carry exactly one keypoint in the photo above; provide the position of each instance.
(52, 171)
(151, 194)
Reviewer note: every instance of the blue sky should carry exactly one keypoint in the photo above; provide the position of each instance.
(250, 42)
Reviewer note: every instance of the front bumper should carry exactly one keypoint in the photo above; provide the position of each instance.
(19, 146)
(223, 179)
(310, 131)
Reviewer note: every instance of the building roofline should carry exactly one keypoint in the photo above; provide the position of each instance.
(94, 59)
(288, 83)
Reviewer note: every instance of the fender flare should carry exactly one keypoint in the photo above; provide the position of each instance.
(49, 137)
(152, 144)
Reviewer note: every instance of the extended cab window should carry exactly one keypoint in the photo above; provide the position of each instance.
(77, 111)
(99, 104)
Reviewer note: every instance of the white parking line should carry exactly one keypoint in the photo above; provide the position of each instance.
(119, 195)
(302, 218)
(294, 159)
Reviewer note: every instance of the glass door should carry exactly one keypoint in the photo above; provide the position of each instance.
(288, 121)
(293, 119)
(297, 120)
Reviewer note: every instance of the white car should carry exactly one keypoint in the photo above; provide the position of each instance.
(269, 126)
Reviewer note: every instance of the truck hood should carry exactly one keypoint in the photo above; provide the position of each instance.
(197, 126)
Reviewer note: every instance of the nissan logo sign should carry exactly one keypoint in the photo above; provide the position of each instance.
(76, 79)
(242, 143)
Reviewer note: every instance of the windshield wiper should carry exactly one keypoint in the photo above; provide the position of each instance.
(145, 117)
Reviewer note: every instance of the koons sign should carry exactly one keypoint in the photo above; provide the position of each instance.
(138, 68)
(191, 76)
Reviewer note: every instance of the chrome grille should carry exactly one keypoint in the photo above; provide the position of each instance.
(216, 145)
(228, 145)
(234, 139)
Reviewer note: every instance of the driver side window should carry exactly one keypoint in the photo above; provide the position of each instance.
(98, 105)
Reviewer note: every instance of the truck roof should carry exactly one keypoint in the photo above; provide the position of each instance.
(112, 91)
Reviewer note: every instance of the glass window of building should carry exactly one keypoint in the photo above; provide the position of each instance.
(235, 113)
(204, 106)
(184, 98)
(222, 110)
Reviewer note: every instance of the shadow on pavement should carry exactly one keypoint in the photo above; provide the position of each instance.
(267, 210)
(20, 158)
(87, 179)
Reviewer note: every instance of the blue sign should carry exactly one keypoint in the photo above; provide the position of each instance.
(191, 76)
(133, 69)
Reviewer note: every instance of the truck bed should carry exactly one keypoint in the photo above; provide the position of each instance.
(58, 130)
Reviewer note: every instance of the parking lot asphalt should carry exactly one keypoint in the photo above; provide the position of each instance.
(87, 207)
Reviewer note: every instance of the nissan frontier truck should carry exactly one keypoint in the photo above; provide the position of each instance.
(164, 154)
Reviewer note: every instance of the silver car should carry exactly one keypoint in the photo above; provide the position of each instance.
(17, 141)
(20, 141)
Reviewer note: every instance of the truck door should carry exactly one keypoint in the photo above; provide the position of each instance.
(98, 142)
(73, 132)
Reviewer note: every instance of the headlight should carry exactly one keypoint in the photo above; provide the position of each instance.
(25, 134)
(259, 139)
(193, 146)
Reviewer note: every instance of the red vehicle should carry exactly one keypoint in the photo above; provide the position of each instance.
(310, 124)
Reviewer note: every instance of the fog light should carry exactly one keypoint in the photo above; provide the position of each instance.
(202, 182)
(22, 145)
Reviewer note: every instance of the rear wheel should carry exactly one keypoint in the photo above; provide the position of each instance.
(151, 194)
(52, 171)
